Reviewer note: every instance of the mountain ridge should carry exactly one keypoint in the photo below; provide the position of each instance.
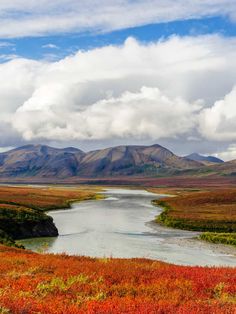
(207, 160)
(43, 163)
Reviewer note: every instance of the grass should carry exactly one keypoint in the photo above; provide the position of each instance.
(222, 238)
(58, 284)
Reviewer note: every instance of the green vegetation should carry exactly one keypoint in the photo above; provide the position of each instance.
(5, 239)
(19, 213)
(17, 222)
(223, 238)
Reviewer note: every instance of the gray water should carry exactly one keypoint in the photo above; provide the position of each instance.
(120, 226)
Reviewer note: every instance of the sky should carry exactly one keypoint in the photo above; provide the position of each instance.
(93, 74)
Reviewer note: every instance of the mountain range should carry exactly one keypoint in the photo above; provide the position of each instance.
(41, 161)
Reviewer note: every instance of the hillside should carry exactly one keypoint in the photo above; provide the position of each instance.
(227, 168)
(207, 160)
(129, 160)
(40, 161)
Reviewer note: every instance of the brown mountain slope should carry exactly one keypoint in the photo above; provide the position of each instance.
(40, 161)
(128, 160)
(226, 168)
(218, 169)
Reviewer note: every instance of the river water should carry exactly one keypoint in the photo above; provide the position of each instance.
(120, 226)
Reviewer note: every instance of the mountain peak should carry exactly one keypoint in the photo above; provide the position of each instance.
(206, 159)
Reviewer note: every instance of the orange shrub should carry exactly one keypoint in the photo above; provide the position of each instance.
(58, 284)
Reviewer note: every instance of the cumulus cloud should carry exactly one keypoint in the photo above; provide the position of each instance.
(34, 18)
(219, 121)
(143, 114)
(228, 154)
(162, 90)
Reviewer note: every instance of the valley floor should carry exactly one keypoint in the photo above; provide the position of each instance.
(58, 284)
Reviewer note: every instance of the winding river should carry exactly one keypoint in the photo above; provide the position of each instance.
(120, 226)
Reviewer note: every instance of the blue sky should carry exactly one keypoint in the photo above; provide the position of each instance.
(54, 47)
(97, 73)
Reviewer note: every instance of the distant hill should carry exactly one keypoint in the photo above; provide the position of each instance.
(225, 169)
(41, 161)
(207, 160)
(222, 169)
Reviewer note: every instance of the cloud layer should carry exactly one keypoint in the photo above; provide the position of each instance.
(19, 18)
(143, 114)
(175, 88)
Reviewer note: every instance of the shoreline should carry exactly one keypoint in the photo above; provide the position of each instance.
(173, 239)
(216, 247)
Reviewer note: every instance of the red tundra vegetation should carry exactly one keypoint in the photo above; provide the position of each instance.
(213, 211)
(45, 198)
(59, 284)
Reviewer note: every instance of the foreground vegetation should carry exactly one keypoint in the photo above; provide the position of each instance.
(213, 212)
(58, 284)
(22, 209)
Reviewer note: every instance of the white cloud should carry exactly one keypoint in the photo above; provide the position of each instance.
(34, 18)
(5, 44)
(229, 154)
(219, 122)
(50, 46)
(7, 57)
(135, 90)
(143, 114)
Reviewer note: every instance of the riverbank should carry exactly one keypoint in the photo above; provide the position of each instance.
(118, 226)
(57, 284)
(212, 212)
(194, 242)
(23, 209)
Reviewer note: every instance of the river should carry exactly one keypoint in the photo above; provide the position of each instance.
(120, 226)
